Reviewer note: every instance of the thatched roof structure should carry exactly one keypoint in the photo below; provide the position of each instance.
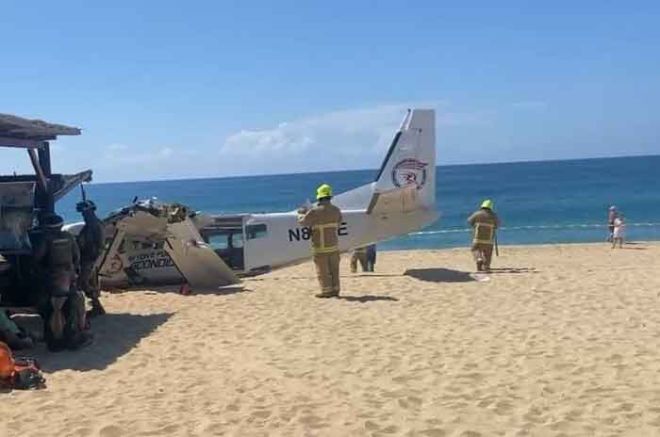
(22, 132)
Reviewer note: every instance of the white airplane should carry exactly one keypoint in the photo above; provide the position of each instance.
(149, 243)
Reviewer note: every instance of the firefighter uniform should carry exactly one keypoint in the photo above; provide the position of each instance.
(324, 220)
(359, 255)
(484, 223)
(366, 256)
(90, 241)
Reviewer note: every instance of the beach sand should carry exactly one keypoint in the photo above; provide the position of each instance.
(558, 340)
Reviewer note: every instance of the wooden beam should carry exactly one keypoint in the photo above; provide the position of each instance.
(41, 177)
(20, 143)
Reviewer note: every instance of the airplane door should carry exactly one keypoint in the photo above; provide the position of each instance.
(253, 232)
(226, 238)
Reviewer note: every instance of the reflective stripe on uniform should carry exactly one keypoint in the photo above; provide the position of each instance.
(323, 248)
(329, 249)
(483, 233)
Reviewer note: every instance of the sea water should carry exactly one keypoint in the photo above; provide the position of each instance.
(538, 202)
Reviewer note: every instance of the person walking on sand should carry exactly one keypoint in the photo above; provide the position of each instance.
(612, 214)
(618, 234)
(324, 219)
(90, 241)
(366, 256)
(359, 255)
(484, 223)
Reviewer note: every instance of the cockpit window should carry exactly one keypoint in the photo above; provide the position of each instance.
(224, 240)
(256, 231)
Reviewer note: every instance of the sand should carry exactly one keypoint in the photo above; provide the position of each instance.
(558, 340)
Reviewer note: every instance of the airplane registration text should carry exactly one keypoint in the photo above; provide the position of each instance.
(305, 233)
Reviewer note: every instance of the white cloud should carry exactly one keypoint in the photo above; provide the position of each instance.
(337, 140)
(165, 152)
(285, 138)
(348, 139)
(124, 154)
(316, 132)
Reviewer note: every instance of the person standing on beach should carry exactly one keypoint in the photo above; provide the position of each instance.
(371, 257)
(58, 258)
(90, 242)
(324, 219)
(484, 223)
(366, 256)
(618, 234)
(612, 214)
(359, 255)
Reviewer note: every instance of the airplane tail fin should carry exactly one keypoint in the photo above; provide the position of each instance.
(406, 179)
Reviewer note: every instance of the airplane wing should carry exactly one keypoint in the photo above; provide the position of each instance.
(201, 267)
(144, 225)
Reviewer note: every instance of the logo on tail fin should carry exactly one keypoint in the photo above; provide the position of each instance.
(409, 171)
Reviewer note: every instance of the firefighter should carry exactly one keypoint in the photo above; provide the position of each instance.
(366, 256)
(324, 219)
(484, 223)
(58, 257)
(90, 241)
(359, 255)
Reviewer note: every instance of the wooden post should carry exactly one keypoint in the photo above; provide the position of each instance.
(44, 162)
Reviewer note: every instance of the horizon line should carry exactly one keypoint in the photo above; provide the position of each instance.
(531, 161)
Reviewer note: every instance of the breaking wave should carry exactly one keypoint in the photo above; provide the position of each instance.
(458, 230)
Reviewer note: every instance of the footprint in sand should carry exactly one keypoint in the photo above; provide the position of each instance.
(260, 414)
(414, 401)
(371, 426)
(434, 432)
(214, 429)
(503, 408)
(82, 432)
(233, 407)
(392, 429)
(111, 431)
(312, 421)
(470, 433)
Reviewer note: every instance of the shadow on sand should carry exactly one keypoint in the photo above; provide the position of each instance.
(630, 245)
(114, 335)
(371, 275)
(222, 291)
(176, 289)
(439, 275)
(367, 298)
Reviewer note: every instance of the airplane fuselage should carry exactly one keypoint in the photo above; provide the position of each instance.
(153, 243)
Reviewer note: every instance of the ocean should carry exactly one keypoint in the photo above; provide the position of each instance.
(538, 202)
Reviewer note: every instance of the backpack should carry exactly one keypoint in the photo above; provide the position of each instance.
(19, 373)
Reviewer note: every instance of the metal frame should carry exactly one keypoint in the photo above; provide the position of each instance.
(33, 135)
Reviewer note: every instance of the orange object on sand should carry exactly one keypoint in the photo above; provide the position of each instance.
(7, 364)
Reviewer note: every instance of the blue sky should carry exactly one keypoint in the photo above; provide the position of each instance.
(193, 89)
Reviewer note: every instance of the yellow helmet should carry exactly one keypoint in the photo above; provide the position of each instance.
(323, 191)
(487, 204)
